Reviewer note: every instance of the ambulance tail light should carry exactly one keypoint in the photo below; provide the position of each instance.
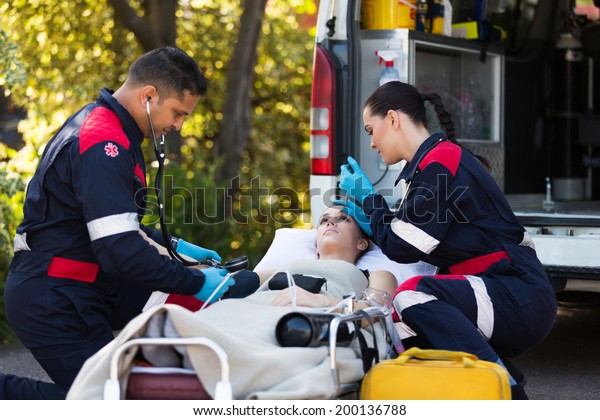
(322, 115)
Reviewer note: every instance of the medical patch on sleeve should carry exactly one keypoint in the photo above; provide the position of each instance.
(111, 150)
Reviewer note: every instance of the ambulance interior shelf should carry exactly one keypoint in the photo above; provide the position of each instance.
(470, 86)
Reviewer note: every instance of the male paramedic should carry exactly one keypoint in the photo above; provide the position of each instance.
(81, 267)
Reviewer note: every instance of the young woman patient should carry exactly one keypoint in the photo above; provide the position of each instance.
(340, 243)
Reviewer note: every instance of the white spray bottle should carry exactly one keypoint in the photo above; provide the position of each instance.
(389, 73)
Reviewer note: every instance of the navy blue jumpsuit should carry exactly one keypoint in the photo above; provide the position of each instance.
(81, 269)
(491, 296)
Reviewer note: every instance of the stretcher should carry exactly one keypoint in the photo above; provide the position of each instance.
(331, 371)
(130, 381)
(145, 382)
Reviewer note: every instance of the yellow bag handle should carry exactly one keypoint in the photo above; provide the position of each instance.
(467, 359)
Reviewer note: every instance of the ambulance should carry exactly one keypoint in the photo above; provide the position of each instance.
(522, 82)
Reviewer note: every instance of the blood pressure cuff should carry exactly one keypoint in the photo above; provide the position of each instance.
(279, 281)
(246, 283)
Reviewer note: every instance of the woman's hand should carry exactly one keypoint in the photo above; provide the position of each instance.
(303, 298)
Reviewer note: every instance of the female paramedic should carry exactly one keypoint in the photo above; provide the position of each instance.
(491, 296)
(81, 268)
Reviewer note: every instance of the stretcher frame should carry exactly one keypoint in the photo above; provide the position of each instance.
(375, 313)
(112, 386)
(223, 390)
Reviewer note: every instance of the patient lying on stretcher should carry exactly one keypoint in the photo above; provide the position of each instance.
(340, 242)
(338, 237)
(259, 367)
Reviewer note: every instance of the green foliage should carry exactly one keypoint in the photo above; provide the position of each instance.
(75, 47)
(72, 49)
(196, 214)
(12, 190)
(12, 186)
(274, 173)
(12, 71)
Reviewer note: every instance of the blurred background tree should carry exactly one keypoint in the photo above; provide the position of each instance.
(12, 186)
(239, 168)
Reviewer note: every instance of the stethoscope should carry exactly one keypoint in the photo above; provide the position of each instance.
(159, 149)
(232, 266)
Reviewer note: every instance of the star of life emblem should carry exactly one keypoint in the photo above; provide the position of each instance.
(111, 150)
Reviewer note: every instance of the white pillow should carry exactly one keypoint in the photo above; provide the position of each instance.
(297, 244)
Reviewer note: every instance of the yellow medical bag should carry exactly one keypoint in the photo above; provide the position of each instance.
(418, 374)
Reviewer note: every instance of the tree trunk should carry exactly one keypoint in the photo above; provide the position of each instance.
(235, 125)
(157, 28)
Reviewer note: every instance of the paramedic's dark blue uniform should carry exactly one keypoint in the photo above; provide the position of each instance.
(81, 268)
(491, 296)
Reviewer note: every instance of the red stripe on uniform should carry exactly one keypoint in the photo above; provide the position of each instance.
(140, 174)
(99, 127)
(188, 302)
(446, 153)
(73, 269)
(412, 283)
(478, 264)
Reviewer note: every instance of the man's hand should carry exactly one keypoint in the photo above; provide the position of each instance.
(213, 277)
(196, 252)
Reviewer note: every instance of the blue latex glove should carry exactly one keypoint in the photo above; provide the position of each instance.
(353, 181)
(196, 252)
(213, 278)
(356, 212)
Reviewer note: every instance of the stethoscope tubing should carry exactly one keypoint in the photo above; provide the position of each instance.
(160, 157)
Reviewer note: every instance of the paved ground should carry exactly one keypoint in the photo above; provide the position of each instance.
(565, 367)
(17, 360)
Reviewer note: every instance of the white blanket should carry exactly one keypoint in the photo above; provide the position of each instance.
(259, 367)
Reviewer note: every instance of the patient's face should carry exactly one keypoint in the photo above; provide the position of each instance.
(337, 227)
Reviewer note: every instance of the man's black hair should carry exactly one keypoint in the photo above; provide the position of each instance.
(170, 70)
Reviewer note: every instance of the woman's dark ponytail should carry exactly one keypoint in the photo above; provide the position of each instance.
(444, 116)
(445, 120)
